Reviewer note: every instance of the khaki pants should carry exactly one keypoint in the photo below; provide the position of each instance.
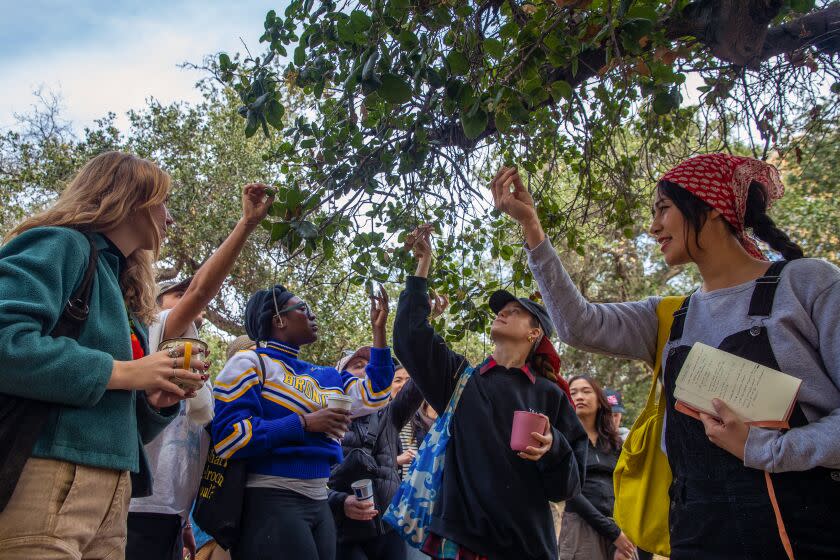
(579, 541)
(61, 510)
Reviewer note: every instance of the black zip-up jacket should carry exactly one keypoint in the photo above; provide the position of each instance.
(492, 501)
(387, 478)
(597, 497)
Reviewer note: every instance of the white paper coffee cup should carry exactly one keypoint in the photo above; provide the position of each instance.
(363, 489)
(339, 402)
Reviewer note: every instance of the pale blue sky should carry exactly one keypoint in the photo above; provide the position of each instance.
(112, 55)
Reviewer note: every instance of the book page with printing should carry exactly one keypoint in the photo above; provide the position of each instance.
(754, 392)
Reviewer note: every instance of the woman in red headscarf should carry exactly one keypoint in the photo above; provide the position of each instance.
(738, 492)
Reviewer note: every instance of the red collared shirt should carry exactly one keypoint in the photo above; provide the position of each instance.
(491, 363)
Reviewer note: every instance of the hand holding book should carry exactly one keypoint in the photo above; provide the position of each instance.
(726, 429)
(758, 395)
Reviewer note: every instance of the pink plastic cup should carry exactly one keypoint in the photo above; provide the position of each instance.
(524, 423)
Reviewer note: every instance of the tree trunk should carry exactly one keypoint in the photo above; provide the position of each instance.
(223, 322)
(734, 30)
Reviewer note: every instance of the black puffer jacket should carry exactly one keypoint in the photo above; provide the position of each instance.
(386, 479)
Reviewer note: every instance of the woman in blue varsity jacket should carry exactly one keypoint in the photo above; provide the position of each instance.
(271, 410)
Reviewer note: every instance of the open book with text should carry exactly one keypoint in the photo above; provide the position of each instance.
(760, 395)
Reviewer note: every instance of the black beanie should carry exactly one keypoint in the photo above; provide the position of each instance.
(261, 309)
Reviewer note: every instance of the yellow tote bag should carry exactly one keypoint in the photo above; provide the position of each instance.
(642, 475)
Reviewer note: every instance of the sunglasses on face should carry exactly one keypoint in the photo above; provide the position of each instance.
(302, 307)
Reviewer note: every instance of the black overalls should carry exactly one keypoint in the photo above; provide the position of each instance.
(721, 509)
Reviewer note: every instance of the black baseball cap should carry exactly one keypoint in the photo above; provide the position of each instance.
(500, 298)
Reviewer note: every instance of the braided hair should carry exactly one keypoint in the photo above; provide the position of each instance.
(763, 227)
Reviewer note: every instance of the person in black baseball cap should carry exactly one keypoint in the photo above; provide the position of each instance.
(543, 357)
(493, 501)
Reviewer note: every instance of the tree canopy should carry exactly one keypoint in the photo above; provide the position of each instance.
(407, 107)
(201, 146)
(406, 96)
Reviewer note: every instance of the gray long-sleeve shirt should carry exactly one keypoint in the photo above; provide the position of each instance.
(802, 330)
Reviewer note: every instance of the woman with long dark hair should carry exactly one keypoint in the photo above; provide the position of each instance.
(738, 491)
(587, 530)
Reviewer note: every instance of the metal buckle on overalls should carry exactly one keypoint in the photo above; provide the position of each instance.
(755, 330)
(768, 280)
(835, 476)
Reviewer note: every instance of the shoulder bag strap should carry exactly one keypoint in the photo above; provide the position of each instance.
(372, 432)
(459, 388)
(262, 367)
(77, 308)
(23, 420)
(666, 311)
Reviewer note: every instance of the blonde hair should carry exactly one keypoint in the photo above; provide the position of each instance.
(101, 196)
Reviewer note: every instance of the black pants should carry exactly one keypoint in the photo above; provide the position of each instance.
(153, 536)
(385, 547)
(281, 524)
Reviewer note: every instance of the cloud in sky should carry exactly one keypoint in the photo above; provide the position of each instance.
(112, 56)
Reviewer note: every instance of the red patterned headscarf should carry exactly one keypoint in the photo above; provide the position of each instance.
(723, 181)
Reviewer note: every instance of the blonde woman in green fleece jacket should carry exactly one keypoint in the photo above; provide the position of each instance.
(110, 395)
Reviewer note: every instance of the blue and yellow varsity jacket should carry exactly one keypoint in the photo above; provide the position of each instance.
(259, 419)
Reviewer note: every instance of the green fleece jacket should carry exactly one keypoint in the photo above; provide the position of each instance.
(91, 425)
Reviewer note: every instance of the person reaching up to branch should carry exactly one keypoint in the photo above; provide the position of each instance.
(494, 501)
(286, 417)
(361, 533)
(160, 522)
(738, 491)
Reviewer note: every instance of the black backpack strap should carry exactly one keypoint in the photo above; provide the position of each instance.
(764, 293)
(262, 367)
(679, 320)
(77, 308)
(372, 432)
